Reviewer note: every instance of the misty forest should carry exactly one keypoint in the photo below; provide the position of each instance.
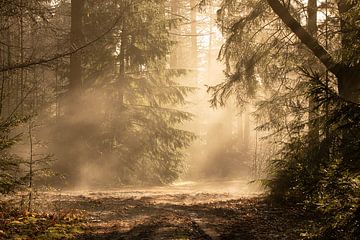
(180, 119)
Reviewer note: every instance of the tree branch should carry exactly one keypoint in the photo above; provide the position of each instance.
(310, 42)
(60, 55)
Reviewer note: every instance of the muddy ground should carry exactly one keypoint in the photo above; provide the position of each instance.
(180, 212)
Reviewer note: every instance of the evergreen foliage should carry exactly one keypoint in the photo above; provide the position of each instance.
(125, 123)
(264, 61)
(10, 175)
(324, 176)
(135, 132)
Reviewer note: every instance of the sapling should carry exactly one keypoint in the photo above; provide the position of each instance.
(38, 163)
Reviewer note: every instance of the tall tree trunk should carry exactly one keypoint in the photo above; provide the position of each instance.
(72, 135)
(345, 28)
(76, 40)
(349, 82)
(312, 29)
(312, 18)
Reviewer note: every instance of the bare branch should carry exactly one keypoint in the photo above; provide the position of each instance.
(60, 55)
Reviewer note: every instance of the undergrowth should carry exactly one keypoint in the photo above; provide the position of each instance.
(23, 225)
(322, 174)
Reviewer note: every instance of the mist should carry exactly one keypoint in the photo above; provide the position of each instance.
(110, 134)
(179, 119)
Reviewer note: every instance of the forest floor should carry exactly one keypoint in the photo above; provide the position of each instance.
(178, 213)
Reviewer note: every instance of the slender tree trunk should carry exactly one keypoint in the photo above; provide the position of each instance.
(240, 130)
(255, 163)
(21, 58)
(327, 130)
(3, 79)
(9, 80)
(174, 55)
(210, 42)
(57, 99)
(2, 60)
(122, 65)
(194, 48)
(246, 123)
(35, 94)
(31, 173)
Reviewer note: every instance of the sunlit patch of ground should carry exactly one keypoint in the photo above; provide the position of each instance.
(181, 211)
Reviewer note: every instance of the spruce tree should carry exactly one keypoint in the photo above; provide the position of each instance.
(134, 134)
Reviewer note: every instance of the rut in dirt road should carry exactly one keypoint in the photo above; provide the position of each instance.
(183, 216)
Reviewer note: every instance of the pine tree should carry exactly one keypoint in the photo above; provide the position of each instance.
(134, 134)
(316, 162)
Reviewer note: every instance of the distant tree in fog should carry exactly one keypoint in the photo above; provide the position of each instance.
(134, 133)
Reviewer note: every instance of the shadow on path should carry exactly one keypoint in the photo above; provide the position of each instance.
(183, 217)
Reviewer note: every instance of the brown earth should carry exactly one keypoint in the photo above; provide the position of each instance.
(180, 213)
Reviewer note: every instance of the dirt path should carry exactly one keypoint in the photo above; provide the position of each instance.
(146, 214)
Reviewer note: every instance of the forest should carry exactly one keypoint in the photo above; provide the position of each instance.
(180, 119)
